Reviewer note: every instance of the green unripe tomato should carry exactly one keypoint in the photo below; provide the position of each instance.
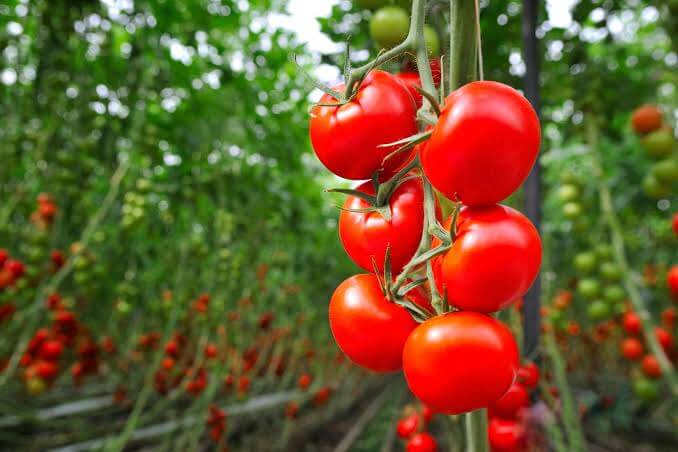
(654, 188)
(143, 185)
(614, 294)
(432, 41)
(610, 271)
(569, 177)
(35, 386)
(599, 310)
(568, 192)
(666, 171)
(389, 26)
(646, 390)
(658, 144)
(585, 262)
(371, 4)
(604, 251)
(572, 210)
(589, 288)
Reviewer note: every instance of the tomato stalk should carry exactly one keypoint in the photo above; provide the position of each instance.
(615, 229)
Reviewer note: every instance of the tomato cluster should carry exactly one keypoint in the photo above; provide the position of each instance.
(412, 428)
(481, 149)
(507, 429)
(658, 142)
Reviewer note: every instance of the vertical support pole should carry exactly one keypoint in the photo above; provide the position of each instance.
(533, 184)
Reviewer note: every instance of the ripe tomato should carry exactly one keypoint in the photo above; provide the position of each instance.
(346, 138)
(506, 436)
(366, 235)
(494, 259)
(631, 323)
(408, 426)
(669, 316)
(484, 144)
(651, 367)
(672, 281)
(528, 375)
(674, 224)
(389, 26)
(421, 442)
(460, 361)
(632, 348)
(664, 338)
(367, 327)
(646, 118)
(510, 404)
(411, 80)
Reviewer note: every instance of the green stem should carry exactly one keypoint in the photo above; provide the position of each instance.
(463, 52)
(616, 236)
(570, 414)
(476, 431)
(413, 42)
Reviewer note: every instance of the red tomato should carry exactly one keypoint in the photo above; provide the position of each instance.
(664, 338)
(460, 361)
(669, 317)
(427, 413)
(366, 235)
(510, 404)
(484, 144)
(421, 442)
(631, 323)
(646, 118)
(528, 375)
(632, 348)
(410, 80)
(494, 259)
(367, 327)
(346, 138)
(51, 350)
(408, 426)
(651, 367)
(674, 223)
(672, 281)
(304, 381)
(506, 436)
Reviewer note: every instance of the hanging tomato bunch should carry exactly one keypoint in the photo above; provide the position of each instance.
(424, 305)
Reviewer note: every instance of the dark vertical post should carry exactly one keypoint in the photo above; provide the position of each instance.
(533, 183)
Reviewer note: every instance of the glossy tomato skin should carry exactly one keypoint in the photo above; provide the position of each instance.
(421, 442)
(460, 361)
(506, 436)
(411, 80)
(494, 260)
(484, 144)
(510, 404)
(346, 138)
(366, 235)
(367, 327)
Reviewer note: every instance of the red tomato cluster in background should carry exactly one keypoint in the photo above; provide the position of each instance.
(412, 428)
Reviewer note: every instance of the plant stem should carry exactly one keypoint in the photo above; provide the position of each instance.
(616, 236)
(463, 52)
(413, 42)
(570, 414)
(476, 431)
